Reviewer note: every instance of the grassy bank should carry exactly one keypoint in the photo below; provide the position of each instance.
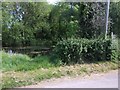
(20, 70)
(21, 78)
(20, 62)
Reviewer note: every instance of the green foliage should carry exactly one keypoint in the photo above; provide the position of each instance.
(116, 50)
(20, 62)
(115, 16)
(81, 50)
(91, 18)
(25, 23)
(31, 23)
(115, 55)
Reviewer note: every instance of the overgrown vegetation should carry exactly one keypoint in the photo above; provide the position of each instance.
(20, 62)
(20, 70)
(75, 31)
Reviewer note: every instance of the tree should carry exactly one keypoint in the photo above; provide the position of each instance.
(7, 22)
(23, 22)
(115, 16)
(36, 16)
(62, 23)
(91, 17)
(79, 19)
(38, 23)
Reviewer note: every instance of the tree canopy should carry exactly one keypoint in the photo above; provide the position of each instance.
(40, 23)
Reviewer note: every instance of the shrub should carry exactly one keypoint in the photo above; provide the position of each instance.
(116, 49)
(81, 50)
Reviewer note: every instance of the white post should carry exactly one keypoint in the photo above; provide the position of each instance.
(112, 35)
(107, 17)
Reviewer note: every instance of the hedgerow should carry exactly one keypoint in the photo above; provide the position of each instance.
(81, 50)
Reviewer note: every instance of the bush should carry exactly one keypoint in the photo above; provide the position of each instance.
(81, 50)
(116, 49)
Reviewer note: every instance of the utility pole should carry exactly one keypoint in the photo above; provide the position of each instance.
(71, 4)
(107, 17)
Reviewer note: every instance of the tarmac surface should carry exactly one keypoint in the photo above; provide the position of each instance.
(101, 80)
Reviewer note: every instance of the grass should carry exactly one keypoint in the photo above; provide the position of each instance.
(21, 70)
(20, 62)
(16, 79)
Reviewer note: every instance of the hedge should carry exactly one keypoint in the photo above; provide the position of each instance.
(81, 50)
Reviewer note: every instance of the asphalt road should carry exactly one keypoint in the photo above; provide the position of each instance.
(103, 80)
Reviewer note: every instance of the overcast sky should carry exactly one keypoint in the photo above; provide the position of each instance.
(52, 1)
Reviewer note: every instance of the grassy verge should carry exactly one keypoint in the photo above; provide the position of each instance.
(20, 70)
(21, 78)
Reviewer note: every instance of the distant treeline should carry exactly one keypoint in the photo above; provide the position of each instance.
(43, 24)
